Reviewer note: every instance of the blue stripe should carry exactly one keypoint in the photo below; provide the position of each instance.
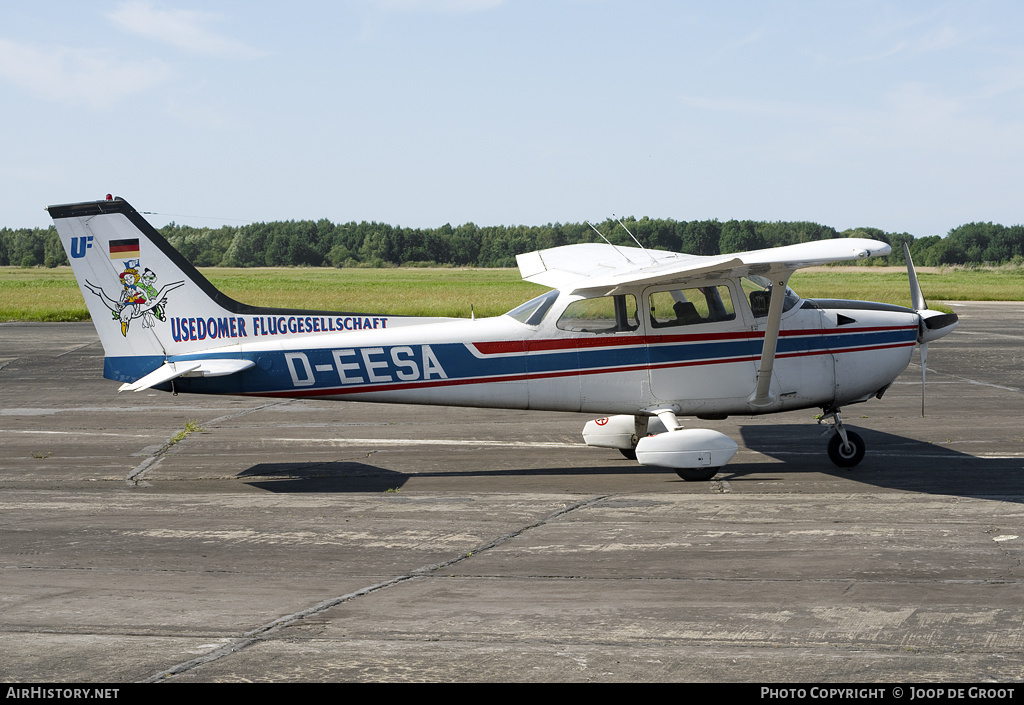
(271, 372)
(129, 369)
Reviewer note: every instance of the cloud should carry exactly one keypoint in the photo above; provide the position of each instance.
(95, 77)
(184, 29)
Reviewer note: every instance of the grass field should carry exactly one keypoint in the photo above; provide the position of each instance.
(37, 294)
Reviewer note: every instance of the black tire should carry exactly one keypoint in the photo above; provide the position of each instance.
(628, 454)
(697, 474)
(848, 457)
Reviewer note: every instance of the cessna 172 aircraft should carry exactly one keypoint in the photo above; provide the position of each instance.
(642, 336)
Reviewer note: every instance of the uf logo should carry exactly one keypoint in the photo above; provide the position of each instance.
(79, 245)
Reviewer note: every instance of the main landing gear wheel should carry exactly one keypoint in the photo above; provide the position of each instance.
(843, 455)
(698, 474)
(629, 454)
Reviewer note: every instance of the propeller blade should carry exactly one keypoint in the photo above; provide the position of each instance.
(916, 297)
(919, 305)
(924, 372)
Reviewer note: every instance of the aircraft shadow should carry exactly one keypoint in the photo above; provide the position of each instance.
(360, 477)
(892, 462)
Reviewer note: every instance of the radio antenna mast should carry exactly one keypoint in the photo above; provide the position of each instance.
(654, 261)
(609, 242)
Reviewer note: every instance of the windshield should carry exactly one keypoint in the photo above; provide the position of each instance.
(532, 312)
(759, 291)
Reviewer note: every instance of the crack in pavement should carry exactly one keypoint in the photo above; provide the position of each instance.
(137, 474)
(267, 631)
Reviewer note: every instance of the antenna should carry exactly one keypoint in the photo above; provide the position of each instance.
(609, 242)
(634, 239)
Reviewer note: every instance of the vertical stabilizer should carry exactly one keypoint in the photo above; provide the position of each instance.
(150, 306)
(136, 285)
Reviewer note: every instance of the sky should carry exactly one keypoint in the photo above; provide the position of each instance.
(905, 116)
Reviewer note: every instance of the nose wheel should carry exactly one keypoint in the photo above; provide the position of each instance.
(848, 454)
(845, 448)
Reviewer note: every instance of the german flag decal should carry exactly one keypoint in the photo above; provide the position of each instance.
(124, 249)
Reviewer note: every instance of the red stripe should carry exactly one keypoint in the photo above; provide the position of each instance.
(505, 347)
(870, 347)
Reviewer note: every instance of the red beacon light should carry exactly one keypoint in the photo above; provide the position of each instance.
(110, 197)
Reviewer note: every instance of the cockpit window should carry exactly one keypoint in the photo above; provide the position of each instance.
(532, 312)
(683, 307)
(603, 314)
(758, 290)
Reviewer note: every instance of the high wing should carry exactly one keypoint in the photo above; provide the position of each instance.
(600, 270)
(597, 269)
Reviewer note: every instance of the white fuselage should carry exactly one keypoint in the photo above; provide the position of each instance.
(825, 357)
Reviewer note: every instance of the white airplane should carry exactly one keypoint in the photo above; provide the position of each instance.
(641, 336)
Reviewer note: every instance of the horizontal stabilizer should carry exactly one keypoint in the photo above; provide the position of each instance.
(190, 368)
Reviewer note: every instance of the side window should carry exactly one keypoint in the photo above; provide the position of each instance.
(683, 307)
(605, 314)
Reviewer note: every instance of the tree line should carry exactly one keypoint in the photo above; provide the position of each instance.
(322, 243)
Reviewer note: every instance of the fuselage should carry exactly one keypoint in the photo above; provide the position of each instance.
(695, 350)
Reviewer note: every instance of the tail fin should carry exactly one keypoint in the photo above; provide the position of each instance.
(133, 281)
(149, 304)
(146, 300)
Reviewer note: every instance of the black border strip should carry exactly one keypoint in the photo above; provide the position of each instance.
(849, 304)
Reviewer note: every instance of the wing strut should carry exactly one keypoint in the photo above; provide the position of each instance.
(763, 396)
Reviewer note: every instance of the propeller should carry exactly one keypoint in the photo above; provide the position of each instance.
(932, 324)
(918, 303)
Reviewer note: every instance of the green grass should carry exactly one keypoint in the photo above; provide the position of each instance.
(414, 292)
(38, 294)
(889, 284)
(191, 426)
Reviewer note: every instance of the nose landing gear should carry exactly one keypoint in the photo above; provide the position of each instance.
(845, 448)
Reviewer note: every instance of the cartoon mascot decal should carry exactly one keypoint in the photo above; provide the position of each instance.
(139, 297)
